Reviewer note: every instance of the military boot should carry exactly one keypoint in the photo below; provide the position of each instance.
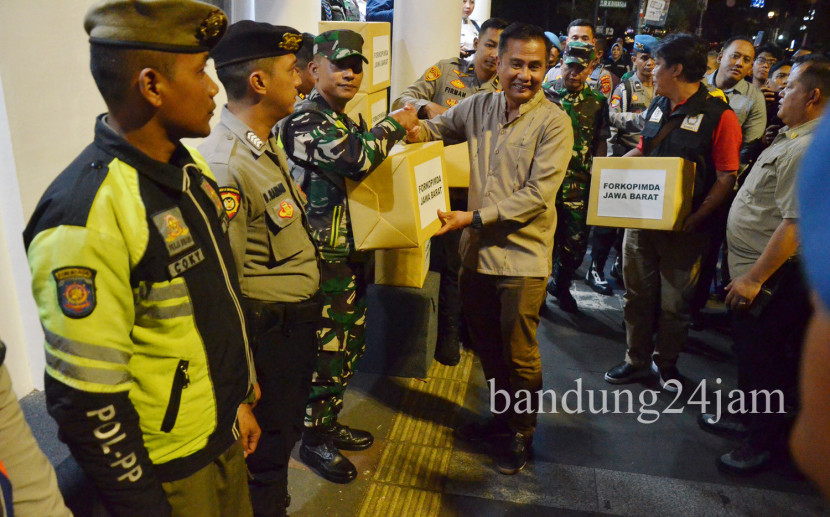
(596, 280)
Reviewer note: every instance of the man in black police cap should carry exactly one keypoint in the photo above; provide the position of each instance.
(147, 359)
(276, 262)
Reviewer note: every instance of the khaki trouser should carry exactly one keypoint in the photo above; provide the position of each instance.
(503, 315)
(220, 489)
(34, 485)
(660, 270)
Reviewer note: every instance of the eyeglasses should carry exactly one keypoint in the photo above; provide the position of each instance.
(770, 60)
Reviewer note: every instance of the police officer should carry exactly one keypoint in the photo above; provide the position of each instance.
(276, 262)
(441, 87)
(326, 147)
(630, 100)
(589, 116)
(147, 358)
(450, 81)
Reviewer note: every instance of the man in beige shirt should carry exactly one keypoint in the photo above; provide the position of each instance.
(519, 145)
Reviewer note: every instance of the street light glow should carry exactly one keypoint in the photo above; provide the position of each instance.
(771, 15)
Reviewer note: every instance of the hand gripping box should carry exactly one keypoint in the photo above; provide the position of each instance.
(396, 205)
(645, 192)
(377, 46)
(406, 267)
(372, 106)
(457, 161)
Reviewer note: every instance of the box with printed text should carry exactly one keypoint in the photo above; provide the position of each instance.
(396, 205)
(644, 192)
(371, 106)
(377, 47)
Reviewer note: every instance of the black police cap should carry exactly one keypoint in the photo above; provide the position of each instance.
(246, 40)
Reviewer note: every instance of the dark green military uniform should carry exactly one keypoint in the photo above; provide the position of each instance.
(327, 147)
(589, 115)
(447, 83)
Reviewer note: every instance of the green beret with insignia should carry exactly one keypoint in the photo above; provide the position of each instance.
(247, 40)
(579, 52)
(339, 44)
(182, 26)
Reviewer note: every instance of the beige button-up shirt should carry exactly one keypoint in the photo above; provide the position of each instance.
(516, 169)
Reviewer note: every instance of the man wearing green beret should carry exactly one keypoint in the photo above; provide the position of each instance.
(276, 262)
(589, 115)
(147, 360)
(327, 147)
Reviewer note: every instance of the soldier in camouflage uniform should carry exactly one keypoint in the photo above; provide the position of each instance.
(627, 113)
(441, 87)
(327, 147)
(589, 115)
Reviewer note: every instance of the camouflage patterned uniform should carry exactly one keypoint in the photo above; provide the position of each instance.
(589, 115)
(326, 148)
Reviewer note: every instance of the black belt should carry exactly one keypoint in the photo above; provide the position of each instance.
(263, 315)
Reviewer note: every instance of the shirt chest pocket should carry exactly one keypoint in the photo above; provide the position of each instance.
(517, 158)
(285, 228)
(763, 180)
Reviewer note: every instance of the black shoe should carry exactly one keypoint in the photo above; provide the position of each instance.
(617, 272)
(347, 439)
(596, 281)
(624, 373)
(728, 426)
(327, 461)
(552, 289)
(567, 302)
(514, 458)
(746, 460)
(488, 430)
(448, 349)
(667, 374)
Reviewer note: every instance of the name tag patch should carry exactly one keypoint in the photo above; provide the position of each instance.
(174, 232)
(692, 122)
(183, 264)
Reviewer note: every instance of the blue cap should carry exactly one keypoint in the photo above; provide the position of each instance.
(645, 43)
(554, 39)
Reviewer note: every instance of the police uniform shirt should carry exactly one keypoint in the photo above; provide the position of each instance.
(274, 256)
(446, 83)
(627, 109)
(749, 105)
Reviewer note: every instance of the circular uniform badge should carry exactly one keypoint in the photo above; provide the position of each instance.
(433, 73)
(230, 200)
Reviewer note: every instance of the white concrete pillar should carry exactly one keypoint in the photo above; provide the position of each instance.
(423, 32)
(242, 10)
(481, 12)
(303, 15)
(19, 325)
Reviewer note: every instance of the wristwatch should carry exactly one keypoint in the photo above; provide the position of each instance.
(477, 224)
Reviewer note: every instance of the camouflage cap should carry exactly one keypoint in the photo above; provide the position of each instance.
(339, 44)
(579, 52)
(183, 26)
(247, 40)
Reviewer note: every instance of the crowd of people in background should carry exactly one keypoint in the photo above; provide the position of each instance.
(231, 271)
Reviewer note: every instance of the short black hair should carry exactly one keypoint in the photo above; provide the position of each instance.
(815, 73)
(582, 22)
(776, 51)
(687, 50)
(494, 23)
(524, 32)
(782, 63)
(114, 68)
(234, 77)
(739, 37)
(306, 52)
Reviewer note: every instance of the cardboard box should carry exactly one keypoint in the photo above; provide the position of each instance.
(404, 267)
(457, 161)
(377, 47)
(396, 206)
(373, 107)
(647, 193)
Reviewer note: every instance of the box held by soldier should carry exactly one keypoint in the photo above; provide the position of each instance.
(372, 106)
(396, 206)
(407, 267)
(377, 47)
(648, 193)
